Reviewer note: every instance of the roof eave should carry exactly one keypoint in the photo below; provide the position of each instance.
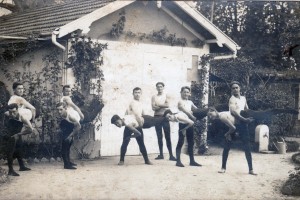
(83, 23)
(221, 37)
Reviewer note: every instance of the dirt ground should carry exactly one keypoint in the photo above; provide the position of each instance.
(104, 179)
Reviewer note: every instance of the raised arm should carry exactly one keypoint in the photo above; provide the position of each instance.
(188, 113)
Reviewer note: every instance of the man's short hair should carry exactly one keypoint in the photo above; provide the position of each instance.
(16, 84)
(160, 83)
(12, 106)
(234, 82)
(167, 112)
(135, 89)
(185, 87)
(66, 86)
(114, 119)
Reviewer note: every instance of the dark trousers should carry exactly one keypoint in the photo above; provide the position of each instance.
(200, 113)
(190, 141)
(66, 129)
(13, 147)
(150, 121)
(164, 125)
(242, 129)
(65, 151)
(126, 140)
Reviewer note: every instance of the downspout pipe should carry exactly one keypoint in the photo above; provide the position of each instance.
(54, 41)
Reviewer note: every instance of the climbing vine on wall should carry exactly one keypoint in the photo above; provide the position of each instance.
(118, 27)
(85, 60)
(42, 89)
(159, 36)
(199, 90)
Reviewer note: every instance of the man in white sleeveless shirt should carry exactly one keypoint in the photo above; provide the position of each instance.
(187, 106)
(133, 122)
(17, 123)
(160, 103)
(238, 103)
(69, 126)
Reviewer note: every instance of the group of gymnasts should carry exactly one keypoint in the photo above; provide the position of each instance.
(20, 115)
(236, 118)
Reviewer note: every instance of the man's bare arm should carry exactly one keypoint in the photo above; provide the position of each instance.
(229, 124)
(155, 107)
(136, 132)
(189, 123)
(166, 103)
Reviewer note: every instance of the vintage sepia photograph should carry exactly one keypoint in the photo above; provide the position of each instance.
(149, 100)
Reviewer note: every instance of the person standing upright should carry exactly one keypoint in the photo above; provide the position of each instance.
(133, 122)
(187, 106)
(238, 103)
(160, 103)
(69, 126)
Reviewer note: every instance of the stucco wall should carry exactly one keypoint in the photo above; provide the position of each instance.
(128, 65)
(141, 17)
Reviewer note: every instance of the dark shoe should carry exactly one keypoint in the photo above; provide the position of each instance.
(172, 158)
(159, 157)
(195, 164)
(179, 164)
(69, 167)
(73, 164)
(251, 172)
(148, 162)
(24, 169)
(13, 173)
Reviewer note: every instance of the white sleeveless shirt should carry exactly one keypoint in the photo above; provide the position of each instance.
(238, 103)
(160, 99)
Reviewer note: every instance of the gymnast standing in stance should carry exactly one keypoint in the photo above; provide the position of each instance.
(237, 103)
(160, 103)
(133, 122)
(186, 106)
(18, 122)
(69, 126)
